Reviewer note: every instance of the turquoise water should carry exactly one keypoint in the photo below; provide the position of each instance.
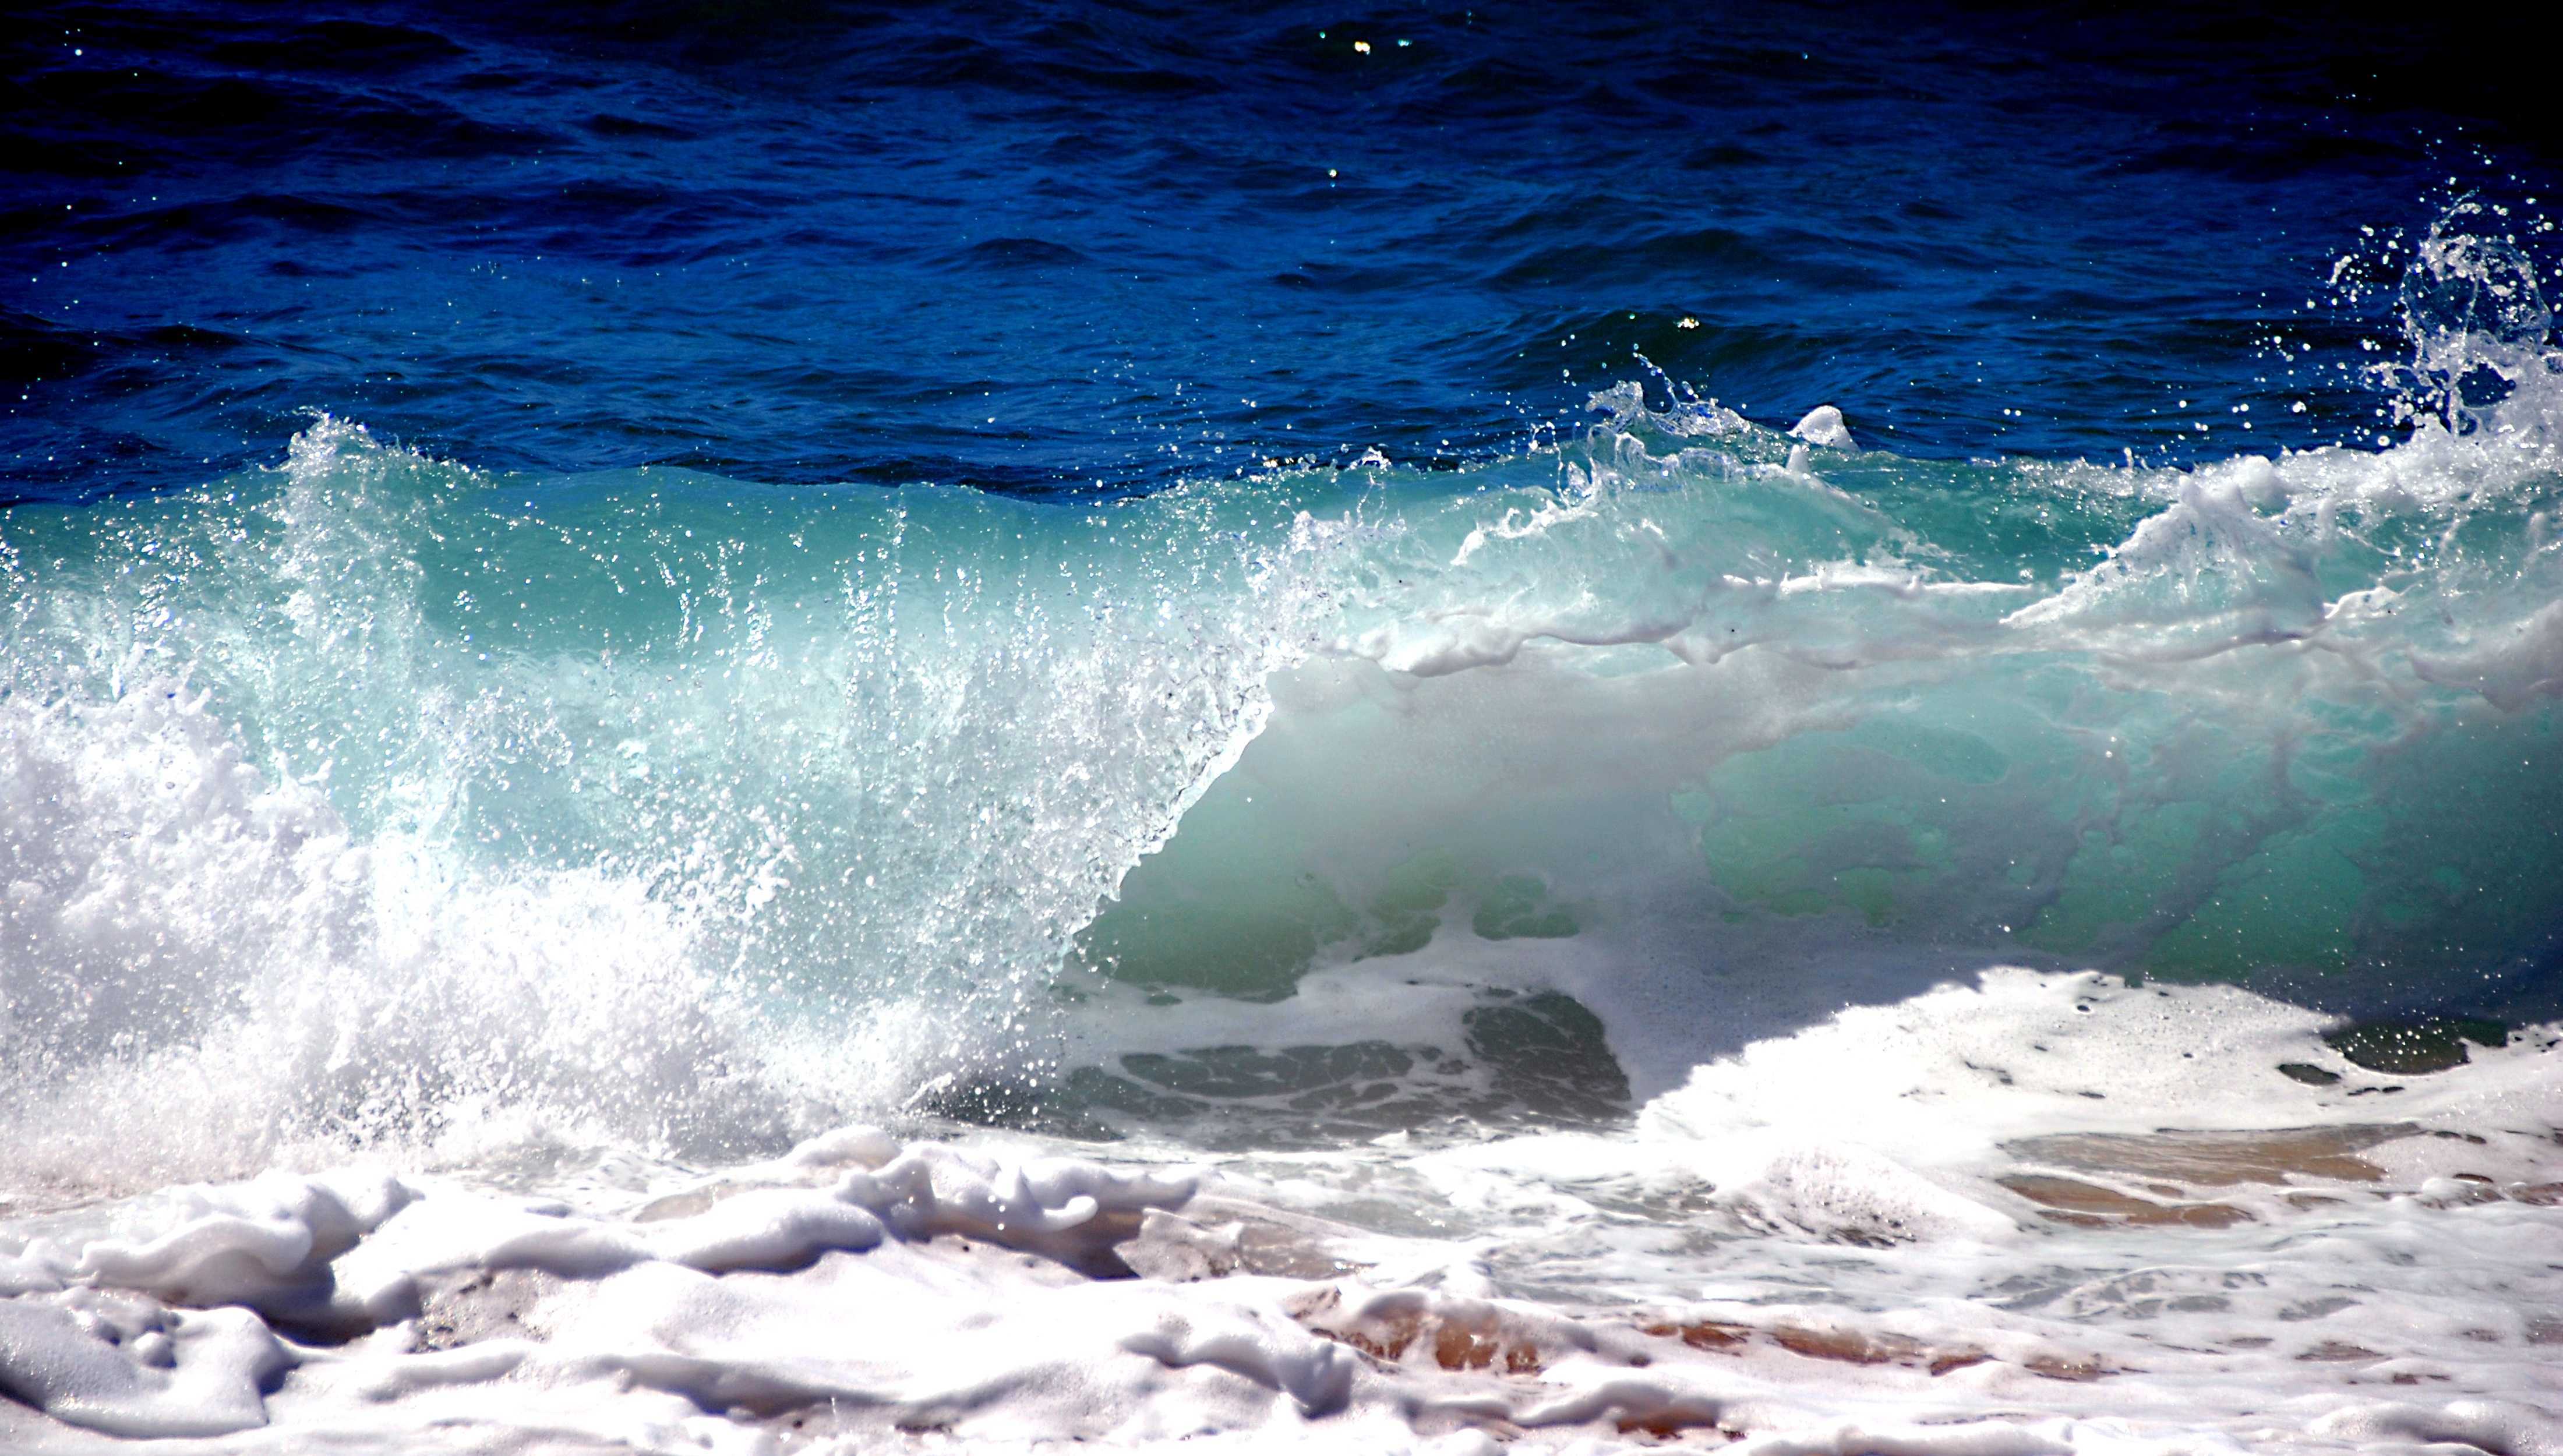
(892, 799)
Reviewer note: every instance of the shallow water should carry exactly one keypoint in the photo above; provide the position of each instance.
(1648, 729)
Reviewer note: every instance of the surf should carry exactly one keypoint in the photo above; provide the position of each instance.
(405, 796)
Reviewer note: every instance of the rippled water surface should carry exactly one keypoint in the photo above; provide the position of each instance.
(1059, 247)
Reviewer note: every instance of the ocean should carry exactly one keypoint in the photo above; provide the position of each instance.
(784, 727)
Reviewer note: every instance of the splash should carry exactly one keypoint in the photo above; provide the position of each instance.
(362, 800)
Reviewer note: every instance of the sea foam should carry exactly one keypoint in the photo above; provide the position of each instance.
(1774, 1255)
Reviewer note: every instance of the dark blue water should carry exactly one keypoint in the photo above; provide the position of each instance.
(1054, 247)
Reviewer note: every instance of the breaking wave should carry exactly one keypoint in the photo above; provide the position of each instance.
(371, 798)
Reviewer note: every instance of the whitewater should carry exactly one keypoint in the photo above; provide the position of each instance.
(1686, 932)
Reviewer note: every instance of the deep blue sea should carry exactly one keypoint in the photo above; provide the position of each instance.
(843, 557)
(1059, 247)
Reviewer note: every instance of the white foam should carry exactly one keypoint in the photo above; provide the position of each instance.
(1823, 426)
(1809, 1247)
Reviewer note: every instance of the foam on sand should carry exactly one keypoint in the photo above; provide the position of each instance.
(1845, 1240)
